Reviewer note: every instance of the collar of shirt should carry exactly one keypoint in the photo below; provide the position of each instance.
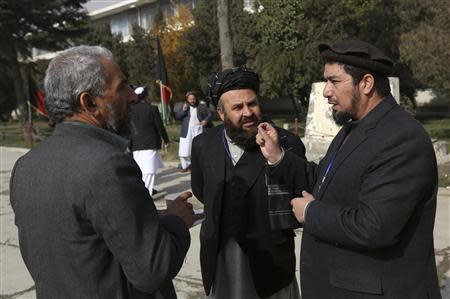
(236, 151)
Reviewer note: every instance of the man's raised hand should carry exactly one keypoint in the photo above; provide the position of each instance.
(267, 139)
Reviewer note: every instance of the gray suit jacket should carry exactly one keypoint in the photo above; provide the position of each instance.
(88, 227)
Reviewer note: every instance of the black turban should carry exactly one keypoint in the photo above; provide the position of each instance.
(231, 79)
(359, 54)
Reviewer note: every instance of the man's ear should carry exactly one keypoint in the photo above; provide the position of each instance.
(221, 113)
(87, 102)
(367, 84)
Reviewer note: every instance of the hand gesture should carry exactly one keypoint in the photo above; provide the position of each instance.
(267, 139)
(182, 208)
(299, 204)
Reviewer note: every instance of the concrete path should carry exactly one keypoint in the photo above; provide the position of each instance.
(16, 282)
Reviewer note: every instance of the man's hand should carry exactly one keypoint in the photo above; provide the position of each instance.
(203, 123)
(185, 106)
(299, 204)
(183, 209)
(267, 139)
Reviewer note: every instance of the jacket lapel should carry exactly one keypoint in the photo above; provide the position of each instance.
(215, 159)
(358, 136)
(327, 159)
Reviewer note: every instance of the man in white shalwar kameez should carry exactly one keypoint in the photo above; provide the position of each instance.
(191, 126)
(147, 134)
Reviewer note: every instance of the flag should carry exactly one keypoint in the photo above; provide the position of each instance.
(166, 91)
(36, 96)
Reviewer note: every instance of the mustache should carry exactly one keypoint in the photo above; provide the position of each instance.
(253, 118)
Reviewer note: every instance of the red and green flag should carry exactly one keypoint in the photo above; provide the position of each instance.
(164, 85)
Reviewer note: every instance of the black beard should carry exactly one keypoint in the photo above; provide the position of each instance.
(240, 137)
(344, 117)
(341, 117)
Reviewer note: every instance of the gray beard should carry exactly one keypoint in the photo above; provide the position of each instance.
(121, 127)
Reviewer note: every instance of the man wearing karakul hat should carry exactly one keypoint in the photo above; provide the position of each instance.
(247, 243)
(368, 224)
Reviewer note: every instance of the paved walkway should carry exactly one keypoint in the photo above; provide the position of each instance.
(16, 283)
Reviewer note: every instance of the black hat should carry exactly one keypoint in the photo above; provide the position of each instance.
(231, 79)
(357, 53)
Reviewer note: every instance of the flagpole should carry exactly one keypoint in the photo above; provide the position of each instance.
(163, 109)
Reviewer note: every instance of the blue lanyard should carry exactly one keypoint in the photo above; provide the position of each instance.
(329, 167)
(330, 164)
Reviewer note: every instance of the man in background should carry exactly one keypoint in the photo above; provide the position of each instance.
(88, 227)
(147, 135)
(192, 123)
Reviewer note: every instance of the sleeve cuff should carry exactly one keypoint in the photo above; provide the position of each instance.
(277, 162)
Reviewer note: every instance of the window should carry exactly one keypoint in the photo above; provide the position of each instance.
(119, 24)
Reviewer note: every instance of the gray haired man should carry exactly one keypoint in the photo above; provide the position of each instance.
(88, 227)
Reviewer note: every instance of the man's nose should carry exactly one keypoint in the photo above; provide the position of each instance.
(326, 90)
(247, 111)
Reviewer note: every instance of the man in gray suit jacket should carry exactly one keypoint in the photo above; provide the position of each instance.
(88, 227)
(368, 225)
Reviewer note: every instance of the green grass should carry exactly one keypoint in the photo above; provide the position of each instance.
(16, 134)
(438, 129)
(444, 181)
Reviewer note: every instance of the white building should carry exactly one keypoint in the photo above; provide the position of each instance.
(122, 14)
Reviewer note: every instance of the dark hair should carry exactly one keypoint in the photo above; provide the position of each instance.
(357, 73)
(190, 93)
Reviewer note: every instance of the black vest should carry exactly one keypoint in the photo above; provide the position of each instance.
(234, 203)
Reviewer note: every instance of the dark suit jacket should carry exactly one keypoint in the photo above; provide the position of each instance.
(147, 128)
(271, 256)
(184, 116)
(369, 233)
(87, 225)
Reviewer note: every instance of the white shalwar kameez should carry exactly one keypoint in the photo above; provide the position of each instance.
(195, 128)
(149, 162)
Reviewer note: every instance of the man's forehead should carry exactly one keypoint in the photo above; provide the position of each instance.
(334, 70)
(111, 67)
(239, 95)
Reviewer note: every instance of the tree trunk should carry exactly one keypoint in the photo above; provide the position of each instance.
(226, 45)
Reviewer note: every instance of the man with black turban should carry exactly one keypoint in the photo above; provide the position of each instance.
(368, 224)
(247, 242)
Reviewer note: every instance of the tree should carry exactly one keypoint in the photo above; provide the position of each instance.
(28, 24)
(141, 59)
(226, 43)
(202, 42)
(425, 47)
(100, 34)
(180, 67)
